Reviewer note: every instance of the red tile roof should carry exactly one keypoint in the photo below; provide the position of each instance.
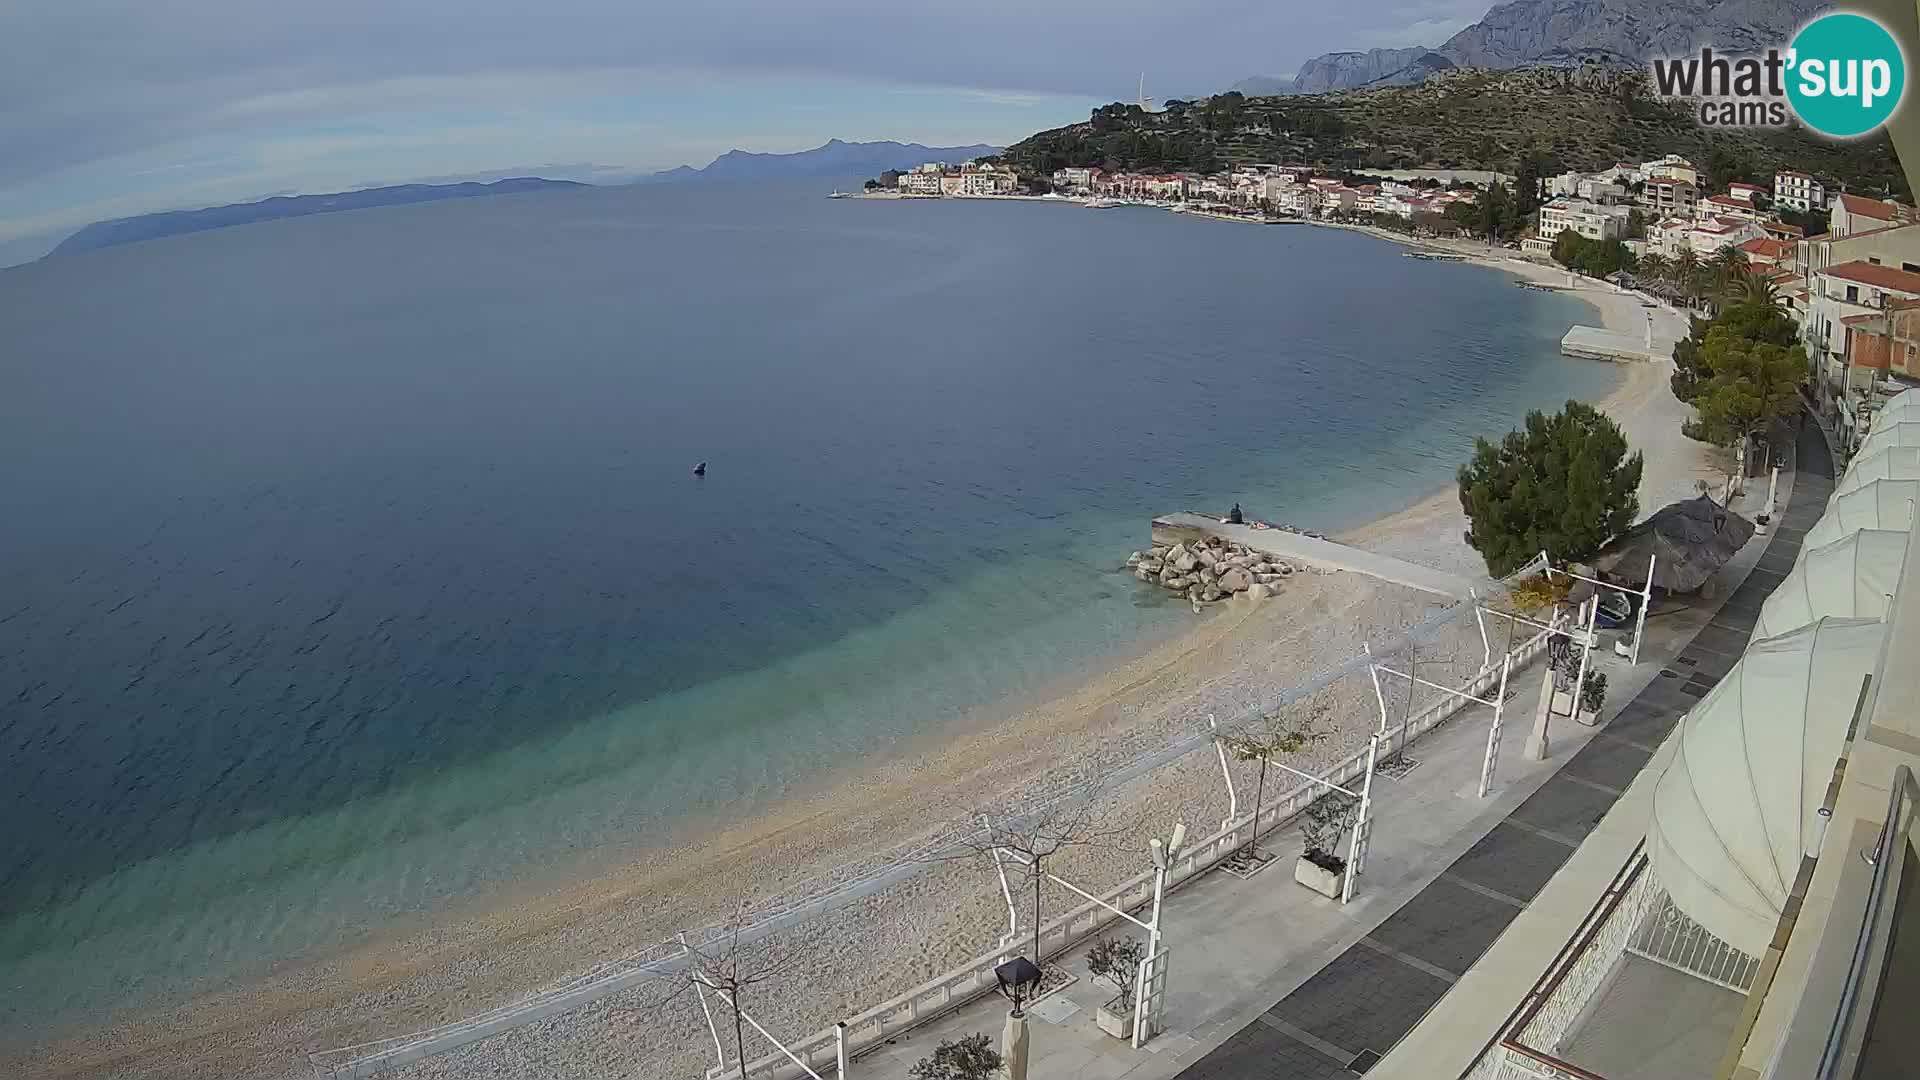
(1880, 277)
(1766, 247)
(1791, 173)
(1862, 206)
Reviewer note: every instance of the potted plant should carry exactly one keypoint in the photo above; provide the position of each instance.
(1116, 961)
(970, 1057)
(1593, 694)
(1322, 825)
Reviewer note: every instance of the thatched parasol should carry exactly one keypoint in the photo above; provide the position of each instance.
(1690, 539)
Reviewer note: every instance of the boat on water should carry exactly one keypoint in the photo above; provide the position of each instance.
(1177, 208)
(838, 194)
(1101, 204)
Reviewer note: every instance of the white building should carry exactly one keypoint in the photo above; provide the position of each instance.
(988, 180)
(1673, 236)
(1671, 167)
(1745, 193)
(1798, 191)
(1726, 206)
(1589, 219)
(1856, 214)
(921, 182)
(1075, 178)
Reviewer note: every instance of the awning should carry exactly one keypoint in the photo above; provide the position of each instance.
(1851, 577)
(1879, 504)
(1901, 407)
(1690, 539)
(1889, 463)
(1734, 810)
(1895, 433)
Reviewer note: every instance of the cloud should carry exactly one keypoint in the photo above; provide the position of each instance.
(91, 87)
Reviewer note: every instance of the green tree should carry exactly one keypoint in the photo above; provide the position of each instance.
(1563, 484)
(1758, 320)
(1526, 187)
(969, 1057)
(1496, 211)
(1567, 248)
(1750, 385)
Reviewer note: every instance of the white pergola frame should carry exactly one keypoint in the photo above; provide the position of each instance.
(1165, 854)
(1645, 593)
(1498, 703)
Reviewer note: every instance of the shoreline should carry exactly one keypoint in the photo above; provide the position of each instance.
(444, 965)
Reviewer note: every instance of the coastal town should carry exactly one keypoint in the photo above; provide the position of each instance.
(1844, 266)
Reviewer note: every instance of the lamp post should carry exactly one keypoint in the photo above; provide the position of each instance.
(1019, 978)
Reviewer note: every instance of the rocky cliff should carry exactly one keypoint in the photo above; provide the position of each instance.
(1529, 32)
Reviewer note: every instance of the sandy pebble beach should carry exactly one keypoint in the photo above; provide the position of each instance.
(1237, 656)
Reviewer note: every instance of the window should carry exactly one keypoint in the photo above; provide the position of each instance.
(1874, 259)
(1911, 268)
(1853, 294)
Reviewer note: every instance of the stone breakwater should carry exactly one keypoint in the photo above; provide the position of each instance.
(1209, 570)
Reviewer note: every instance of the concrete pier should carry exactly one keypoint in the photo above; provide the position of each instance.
(1325, 554)
(1593, 343)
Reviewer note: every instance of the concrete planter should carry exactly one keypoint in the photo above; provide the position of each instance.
(1116, 1018)
(1318, 878)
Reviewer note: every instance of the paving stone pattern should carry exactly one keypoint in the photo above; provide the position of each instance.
(1370, 996)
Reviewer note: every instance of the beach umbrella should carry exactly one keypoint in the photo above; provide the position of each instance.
(1890, 463)
(1881, 504)
(1689, 541)
(1894, 434)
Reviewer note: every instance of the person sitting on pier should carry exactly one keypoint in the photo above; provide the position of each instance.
(1234, 516)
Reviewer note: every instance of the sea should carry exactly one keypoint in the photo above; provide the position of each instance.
(355, 567)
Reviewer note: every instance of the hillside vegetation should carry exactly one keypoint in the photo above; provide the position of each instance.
(1583, 118)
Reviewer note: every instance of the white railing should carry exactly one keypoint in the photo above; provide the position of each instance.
(956, 987)
(964, 984)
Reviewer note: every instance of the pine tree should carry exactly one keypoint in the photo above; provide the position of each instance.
(1562, 484)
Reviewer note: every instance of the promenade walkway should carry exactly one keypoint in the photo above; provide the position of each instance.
(1271, 981)
(1326, 554)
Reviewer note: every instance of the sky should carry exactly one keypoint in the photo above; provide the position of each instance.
(117, 107)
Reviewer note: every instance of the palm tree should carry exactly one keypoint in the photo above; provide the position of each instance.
(1755, 286)
(1686, 276)
(1653, 267)
(1726, 267)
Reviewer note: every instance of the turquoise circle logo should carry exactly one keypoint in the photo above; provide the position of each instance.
(1847, 75)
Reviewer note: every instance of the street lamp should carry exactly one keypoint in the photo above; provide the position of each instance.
(1019, 979)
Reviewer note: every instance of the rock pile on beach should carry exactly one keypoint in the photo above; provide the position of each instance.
(1209, 570)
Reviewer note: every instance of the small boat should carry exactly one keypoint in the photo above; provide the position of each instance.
(1178, 208)
(838, 194)
(1101, 204)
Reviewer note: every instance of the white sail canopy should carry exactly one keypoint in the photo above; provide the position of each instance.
(1879, 504)
(1851, 577)
(1893, 433)
(1900, 408)
(1734, 810)
(1889, 463)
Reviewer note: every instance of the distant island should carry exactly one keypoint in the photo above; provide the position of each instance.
(832, 158)
(132, 230)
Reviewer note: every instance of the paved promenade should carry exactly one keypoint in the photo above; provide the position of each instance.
(1271, 981)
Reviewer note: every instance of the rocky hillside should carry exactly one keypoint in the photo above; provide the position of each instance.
(1561, 32)
(1470, 118)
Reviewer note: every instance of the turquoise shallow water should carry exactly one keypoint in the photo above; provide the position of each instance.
(356, 566)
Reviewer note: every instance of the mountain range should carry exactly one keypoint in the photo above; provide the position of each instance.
(130, 230)
(1560, 33)
(832, 158)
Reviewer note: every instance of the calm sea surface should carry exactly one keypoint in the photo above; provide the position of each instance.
(354, 564)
